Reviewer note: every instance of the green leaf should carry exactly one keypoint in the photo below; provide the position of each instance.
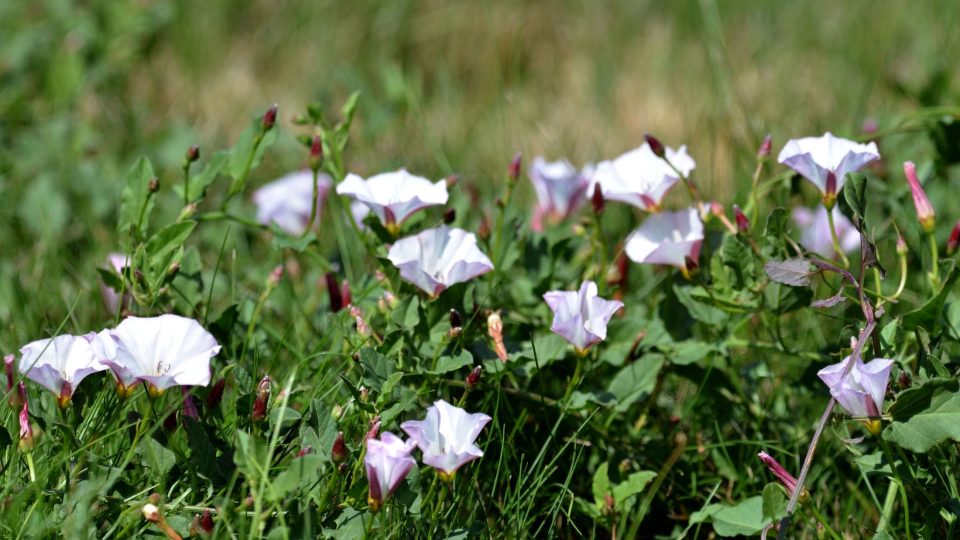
(136, 201)
(698, 310)
(774, 502)
(688, 352)
(301, 472)
(282, 240)
(247, 153)
(777, 222)
(376, 368)
(929, 315)
(925, 416)
(166, 241)
(446, 364)
(854, 201)
(743, 519)
(601, 485)
(636, 380)
(156, 456)
(633, 485)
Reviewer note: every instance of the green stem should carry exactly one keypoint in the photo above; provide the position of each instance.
(313, 205)
(934, 262)
(31, 468)
(887, 508)
(836, 239)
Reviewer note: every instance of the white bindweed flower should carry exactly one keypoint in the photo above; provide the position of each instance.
(438, 258)
(861, 392)
(446, 436)
(667, 238)
(560, 189)
(581, 316)
(60, 363)
(826, 160)
(388, 462)
(163, 351)
(394, 196)
(639, 177)
(815, 230)
(287, 200)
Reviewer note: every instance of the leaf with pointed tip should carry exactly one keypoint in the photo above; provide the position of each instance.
(830, 302)
(795, 271)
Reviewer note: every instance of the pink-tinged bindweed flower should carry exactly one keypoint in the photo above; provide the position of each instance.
(111, 298)
(162, 351)
(861, 392)
(925, 214)
(561, 190)
(388, 462)
(438, 258)
(287, 201)
(826, 160)
(394, 196)
(672, 238)
(581, 316)
(446, 436)
(779, 471)
(640, 177)
(815, 230)
(26, 429)
(60, 363)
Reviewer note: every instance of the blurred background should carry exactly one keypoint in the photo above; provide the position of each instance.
(87, 86)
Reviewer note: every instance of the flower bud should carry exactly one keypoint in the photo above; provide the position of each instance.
(316, 153)
(473, 378)
(364, 394)
(655, 145)
(387, 302)
(925, 213)
(151, 513)
(779, 471)
(765, 147)
(743, 224)
(455, 319)
(189, 407)
(305, 450)
(193, 154)
(449, 216)
(901, 245)
(513, 172)
(452, 180)
(216, 395)
(597, 200)
(362, 327)
(269, 118)
(275, 276)
(374, 429)
(26, 429)
(483, 230)
(954, 239)
(206, 521)
(495, 331)
(153, 185)
(260, 402)
(337, 411)
(338, 454)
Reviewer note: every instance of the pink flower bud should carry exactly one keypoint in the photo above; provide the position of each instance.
(779, 471)
(765, 147)
(206, 521)
(275, 275)
(513, 172)
(189, 407)
(305, 450)
(473, 378)
(655, 145)
(374, 429)
(333, 289)
(495, 331)
(925, 213)
(597, 200)
(316, 153)
(269, 118)
(743, 224)
(954, 239)
(193, 154)
(901, 245)
(339, 452)
(26, 429)
(153, 185)
(260, 402)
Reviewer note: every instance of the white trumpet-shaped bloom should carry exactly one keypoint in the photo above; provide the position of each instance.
(446, 436)
(60, 363)
(394, 196)
(667, 238)
(560, 190)
(388, 462)
(287, 200)
(639, 177)
(816, 158)
(581, 317)
(162, 351)
(438, 258)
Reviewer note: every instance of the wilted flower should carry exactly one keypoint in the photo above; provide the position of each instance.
(639, 177)
(262, 399)
(287, 201)
(779, 471)
(667, 238)
(815, 227)
(446, 436)
(111, 298)
(60, 363)
(560, 189)
(581, 316)
(826, 160)
(388, 462)
(394, 196)
(162, 351)
(438, 258)
(495, 331)
(925, 214)
(861, 392)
